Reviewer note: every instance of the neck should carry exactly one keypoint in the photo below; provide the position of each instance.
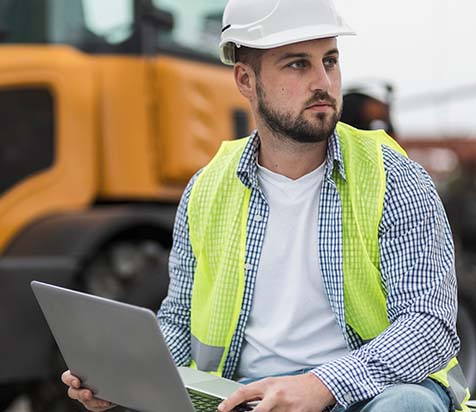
(287, 157)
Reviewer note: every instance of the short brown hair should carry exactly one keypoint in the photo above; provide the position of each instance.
(249, 56)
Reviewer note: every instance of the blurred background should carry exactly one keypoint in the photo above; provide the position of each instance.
(108, 107)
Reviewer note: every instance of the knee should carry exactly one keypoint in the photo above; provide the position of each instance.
(407, 398)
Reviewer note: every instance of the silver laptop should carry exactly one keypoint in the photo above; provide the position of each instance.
(117, 350)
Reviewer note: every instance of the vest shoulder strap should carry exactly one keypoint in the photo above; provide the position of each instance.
(362, 196)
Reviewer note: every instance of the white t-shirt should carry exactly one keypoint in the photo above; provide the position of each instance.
(291, 325)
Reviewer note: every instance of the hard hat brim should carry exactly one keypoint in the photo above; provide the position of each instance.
(283, 38)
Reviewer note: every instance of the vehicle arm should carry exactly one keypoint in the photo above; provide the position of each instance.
(417, 269)
(174, 313)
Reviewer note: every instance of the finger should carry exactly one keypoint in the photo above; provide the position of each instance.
(80, 394)
(66, 377)
(70, 379)
(268, 404)
(245, 393)
(73, 393)
(86, 397)
(98, 405)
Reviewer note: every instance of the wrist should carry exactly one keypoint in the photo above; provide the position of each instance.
(322, 390)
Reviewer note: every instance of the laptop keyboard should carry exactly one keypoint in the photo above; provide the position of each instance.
(203, 402)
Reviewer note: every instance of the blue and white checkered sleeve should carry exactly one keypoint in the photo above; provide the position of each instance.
(417, 267)
(174, 313)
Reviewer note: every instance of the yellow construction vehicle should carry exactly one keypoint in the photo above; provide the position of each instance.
(107, 108)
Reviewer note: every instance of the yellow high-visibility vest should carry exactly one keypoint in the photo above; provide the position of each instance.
(218, 215)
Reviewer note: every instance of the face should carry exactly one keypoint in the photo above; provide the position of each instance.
(298, 92)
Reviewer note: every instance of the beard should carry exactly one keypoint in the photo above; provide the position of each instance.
(298, 128)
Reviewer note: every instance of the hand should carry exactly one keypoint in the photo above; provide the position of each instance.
(85, 396)
(297, 393)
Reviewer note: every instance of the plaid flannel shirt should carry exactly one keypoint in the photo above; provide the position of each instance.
(417, 270)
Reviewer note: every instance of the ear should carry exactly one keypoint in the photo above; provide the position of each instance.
(245, 79)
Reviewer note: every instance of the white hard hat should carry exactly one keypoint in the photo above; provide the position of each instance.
(264, 24)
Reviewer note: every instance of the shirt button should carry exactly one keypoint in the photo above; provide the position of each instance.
(258, 218)
(348, 398)
(248, 266)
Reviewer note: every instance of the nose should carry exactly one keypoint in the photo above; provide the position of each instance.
(320, 79)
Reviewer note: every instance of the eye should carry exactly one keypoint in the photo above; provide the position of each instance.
(330, 62)
(299, 64)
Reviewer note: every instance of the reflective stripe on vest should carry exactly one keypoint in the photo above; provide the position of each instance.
(218, 214)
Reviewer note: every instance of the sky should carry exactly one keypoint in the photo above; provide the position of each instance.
(425, 49)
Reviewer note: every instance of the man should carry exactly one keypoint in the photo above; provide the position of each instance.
(312, 253)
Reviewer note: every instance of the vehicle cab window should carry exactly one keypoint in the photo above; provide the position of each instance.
(112, 20)
(115, 26)
(197, 25)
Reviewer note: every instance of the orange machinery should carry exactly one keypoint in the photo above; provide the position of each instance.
(98, 140)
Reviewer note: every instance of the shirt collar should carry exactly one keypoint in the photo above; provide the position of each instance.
(247, 170)
(334, 156)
